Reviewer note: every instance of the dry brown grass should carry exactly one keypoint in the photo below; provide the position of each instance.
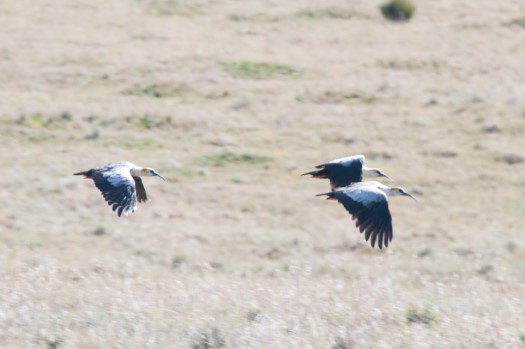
(242, 254)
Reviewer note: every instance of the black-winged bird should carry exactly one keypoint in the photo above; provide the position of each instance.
(367, 202)
(121, 185)
(345, 171)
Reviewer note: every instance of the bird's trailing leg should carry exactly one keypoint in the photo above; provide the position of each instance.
(330, 195)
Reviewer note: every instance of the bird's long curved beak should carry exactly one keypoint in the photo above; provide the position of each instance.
(407, 194)
(158, 175)
(384, 175)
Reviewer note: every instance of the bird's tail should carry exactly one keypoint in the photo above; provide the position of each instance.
(322, 173)
(87, 174)
(331, 195)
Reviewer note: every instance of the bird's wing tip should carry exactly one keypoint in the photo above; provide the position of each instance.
(130, 211)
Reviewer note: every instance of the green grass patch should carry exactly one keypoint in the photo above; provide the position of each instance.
(423, 316)
(46, 121)
(227, 158)
(521, 335)
(520, 22)
(398, 10)
(37, 120)
(257, 17)
(329, 13)
(253, 70)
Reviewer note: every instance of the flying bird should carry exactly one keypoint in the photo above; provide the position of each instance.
(367, 202)
(345, 171)
(120, 184)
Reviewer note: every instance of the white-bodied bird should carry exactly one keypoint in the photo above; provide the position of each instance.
(367, 202)
(345, 171)
(120, 184)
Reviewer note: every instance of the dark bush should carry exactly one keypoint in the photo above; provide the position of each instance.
(398, 10)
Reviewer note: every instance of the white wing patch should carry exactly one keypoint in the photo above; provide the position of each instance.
(119, 176)
(366, 193)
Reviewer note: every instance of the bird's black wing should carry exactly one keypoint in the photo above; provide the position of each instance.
(141, 191)
(342, 174)
(373, 218)
(118, 188)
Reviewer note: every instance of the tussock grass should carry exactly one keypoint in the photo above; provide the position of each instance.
(486, 269)
(427, 252)
(209, 339)
(94, 135)
(253, 314)
(337, 97)
(254, 70)
(160, 90)
(419, 315)
(341, 343)
(174, 8)
(177, 262)
(149, 122)
(54, 343)
(100, 231)
(511, 159)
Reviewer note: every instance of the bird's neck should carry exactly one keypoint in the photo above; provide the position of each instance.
(137, 171)
(369, 172)
(385, 190)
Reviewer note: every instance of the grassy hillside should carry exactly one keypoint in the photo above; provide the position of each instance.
(231, 101)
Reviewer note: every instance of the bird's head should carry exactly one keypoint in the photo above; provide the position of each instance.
(146, 171)
(374, 172)
(397, 191)
(152, 172)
